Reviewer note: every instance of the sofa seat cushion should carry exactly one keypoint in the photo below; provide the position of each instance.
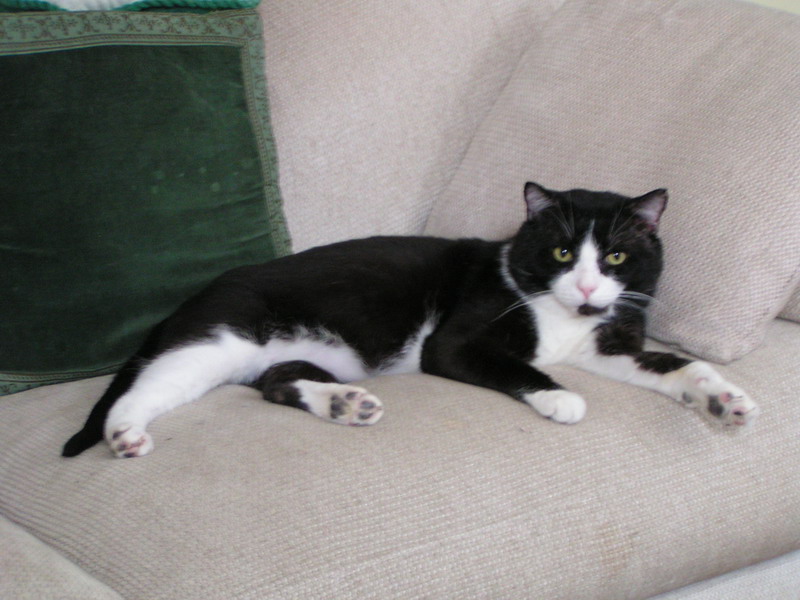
(458, 492)
(32, 569)
(633, 95)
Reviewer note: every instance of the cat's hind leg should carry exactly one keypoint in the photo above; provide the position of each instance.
(301, 384)
(174, 378)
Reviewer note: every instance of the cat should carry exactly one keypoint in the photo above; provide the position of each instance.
(571, 287)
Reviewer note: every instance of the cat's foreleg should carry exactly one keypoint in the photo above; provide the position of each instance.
(487, 366)
(301, 384)
(695, 384)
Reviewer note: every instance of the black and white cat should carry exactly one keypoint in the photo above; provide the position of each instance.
(570, 288)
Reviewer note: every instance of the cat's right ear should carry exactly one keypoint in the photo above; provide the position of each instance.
(537, 198)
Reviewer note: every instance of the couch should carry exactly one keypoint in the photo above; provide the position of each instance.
(405, 117)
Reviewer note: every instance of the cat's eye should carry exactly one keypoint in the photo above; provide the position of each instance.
(616, 258)
(562, 255)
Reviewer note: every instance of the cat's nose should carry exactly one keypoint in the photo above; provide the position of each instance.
(587, 289)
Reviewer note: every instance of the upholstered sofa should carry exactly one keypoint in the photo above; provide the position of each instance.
(402, 117)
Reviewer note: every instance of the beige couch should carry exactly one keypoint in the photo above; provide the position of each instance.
(426, 117)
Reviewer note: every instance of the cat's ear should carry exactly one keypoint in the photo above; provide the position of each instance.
(537, 198)
(650, 207)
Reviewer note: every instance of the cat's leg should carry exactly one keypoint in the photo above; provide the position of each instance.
(174, 378)
(695, 384)
(482, 363)
(301, 384)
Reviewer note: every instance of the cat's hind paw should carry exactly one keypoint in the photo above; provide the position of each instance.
(559, 405)
(129, 441)
(340, 403)
(720, 401)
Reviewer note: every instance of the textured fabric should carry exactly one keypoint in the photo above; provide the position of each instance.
(133, 170)
(633, 95)
(374, 103)
(458, 492)
(777, 579)
(792, 309)
(123, 4)
(34, 571)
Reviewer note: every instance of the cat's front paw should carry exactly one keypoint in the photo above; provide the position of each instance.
(129, 441)
(719, 400)
(559, 405)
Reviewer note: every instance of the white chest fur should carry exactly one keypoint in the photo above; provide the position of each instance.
(563, 336)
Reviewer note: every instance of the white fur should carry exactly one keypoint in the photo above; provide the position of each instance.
(560, 405)
(356, 406)
(184, 374)
(408, 359)
(566, 337)
(584, 276)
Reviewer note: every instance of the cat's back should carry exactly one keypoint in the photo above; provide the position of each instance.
(381, 261)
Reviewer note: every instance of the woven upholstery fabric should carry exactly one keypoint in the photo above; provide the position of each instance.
(633, 95)
(458, 492)
(374, 103)
(34, 570)
(777, 579)
(792, 309)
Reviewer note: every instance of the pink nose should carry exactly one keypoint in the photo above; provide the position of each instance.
(586, 289)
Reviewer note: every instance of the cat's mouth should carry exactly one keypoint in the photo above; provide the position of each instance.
(587, 310)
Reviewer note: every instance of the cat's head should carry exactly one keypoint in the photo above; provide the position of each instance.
(592, 250)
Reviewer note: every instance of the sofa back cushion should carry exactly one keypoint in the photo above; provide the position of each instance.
(136, 165)
(632, 95)
(374, 103)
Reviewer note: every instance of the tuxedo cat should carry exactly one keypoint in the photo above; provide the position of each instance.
(570, 287)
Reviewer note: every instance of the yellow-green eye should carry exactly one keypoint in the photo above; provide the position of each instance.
(616, 258)
(562, 255)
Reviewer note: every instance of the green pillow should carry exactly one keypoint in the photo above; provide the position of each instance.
(78, 5)
(136, 164)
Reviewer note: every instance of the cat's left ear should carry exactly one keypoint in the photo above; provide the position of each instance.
(650, 207)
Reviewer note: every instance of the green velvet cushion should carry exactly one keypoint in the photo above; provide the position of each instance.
(136, 164)
(79, 5)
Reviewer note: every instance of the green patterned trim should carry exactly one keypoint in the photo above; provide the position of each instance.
(136, 5)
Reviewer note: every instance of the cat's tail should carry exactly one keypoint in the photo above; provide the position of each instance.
(92, 431)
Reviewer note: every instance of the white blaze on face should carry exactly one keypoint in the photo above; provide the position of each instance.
(585, 284)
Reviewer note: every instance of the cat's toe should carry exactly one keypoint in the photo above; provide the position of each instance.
(129, 441)
(720, 401)
(559, 405)
(355, 406)
(340, 403)
(732, 408)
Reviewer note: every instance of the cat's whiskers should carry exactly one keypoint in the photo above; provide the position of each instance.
(635, 300)
(522, 301)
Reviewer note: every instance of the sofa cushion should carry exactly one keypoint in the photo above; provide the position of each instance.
(374, 103)
(78, 5)
(458, 492)
(136, 164)
(792, 309)
(32, 569)
(633, 95)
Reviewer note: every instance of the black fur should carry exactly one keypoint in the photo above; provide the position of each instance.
(377, 292)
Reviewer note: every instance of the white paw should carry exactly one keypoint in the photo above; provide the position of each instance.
(719, 400)
(339, 403)
(129, 441)
(559, 405)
